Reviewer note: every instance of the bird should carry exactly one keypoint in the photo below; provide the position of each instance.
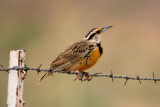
(79, 56)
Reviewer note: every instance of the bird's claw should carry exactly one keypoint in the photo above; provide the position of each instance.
(80, 76)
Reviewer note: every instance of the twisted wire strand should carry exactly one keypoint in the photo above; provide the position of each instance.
(38, 69)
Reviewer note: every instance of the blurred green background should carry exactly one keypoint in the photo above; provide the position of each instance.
(45, 27)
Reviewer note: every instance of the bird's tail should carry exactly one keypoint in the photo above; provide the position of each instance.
(44, 77)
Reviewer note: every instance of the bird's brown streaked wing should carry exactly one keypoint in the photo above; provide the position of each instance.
(71, 55)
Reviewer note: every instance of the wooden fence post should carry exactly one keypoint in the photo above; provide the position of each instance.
(15, 80)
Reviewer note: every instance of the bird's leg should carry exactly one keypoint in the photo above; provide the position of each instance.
(88, 76)
(79, 76)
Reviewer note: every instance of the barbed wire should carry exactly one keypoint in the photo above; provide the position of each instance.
(38, 69)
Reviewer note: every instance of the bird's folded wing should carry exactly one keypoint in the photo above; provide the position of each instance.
(71, 55)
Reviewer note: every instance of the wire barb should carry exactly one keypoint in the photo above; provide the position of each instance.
(111, 76)
(26, 68)
(126, 80)
(38, 69)
(154, 78)
(138, 78)
(3, 67)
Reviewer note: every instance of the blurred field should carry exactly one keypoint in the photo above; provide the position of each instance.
(45, 28)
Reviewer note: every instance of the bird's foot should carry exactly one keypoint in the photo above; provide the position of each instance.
(80, 76)
(88, 77)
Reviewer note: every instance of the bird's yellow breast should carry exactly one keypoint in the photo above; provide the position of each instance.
(87, 62)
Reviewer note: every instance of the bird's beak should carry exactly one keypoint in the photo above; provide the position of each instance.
(105, 28)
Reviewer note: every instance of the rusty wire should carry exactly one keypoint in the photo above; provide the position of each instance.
(38, 69)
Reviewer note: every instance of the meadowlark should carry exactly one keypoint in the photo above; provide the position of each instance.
(80, 56)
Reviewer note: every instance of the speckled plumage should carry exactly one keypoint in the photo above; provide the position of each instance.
(72, 54)
(80, 55)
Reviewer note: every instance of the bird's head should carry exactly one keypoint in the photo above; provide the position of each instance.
(95, 34)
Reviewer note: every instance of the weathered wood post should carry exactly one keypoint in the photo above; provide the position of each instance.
(15, 80)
